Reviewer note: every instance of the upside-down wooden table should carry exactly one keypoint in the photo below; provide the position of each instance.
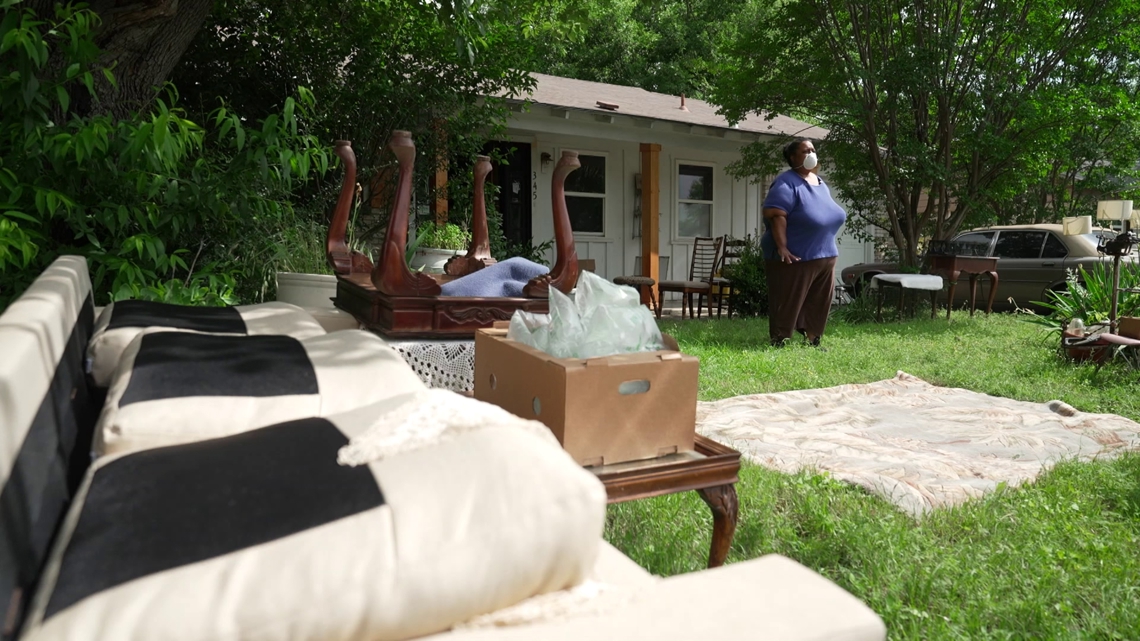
(712, 470)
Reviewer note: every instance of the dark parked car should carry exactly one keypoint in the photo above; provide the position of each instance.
(1034, 260)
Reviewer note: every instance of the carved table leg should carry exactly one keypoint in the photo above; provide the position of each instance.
(973, 292)
(953, 278)
(722, 500)
(993, 290)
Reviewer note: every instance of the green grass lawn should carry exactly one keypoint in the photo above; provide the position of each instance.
(1057, 559)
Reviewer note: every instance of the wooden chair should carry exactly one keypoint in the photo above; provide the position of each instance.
(645, 284)
(733, 247)
(706, 257)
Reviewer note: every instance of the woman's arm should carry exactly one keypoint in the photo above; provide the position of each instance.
(778, 223)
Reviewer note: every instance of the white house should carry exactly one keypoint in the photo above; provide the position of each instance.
(625, 138)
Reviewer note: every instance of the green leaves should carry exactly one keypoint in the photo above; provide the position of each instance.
(162, 207)
(951, 112)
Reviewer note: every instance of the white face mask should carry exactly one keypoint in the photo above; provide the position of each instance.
(810, 161)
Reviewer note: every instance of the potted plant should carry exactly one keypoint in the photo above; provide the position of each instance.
(435, 244)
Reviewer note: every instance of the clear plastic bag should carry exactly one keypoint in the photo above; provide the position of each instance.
(601, 320)
(530, 329)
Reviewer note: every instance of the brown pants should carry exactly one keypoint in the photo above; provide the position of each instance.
(799, 297)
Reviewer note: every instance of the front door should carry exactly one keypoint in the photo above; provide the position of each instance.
(513, 178)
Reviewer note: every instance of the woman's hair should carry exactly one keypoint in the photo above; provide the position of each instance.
(792, 147)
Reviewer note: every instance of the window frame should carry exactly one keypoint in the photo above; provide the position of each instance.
(1059, 240)
(989, 247)
(1002, 232)
(678, 201)
(605, 156)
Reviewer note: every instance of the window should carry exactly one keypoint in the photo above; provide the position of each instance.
(694, 200)
(586, 196)
(1054, 248)
(975, 244)
(1019, 244)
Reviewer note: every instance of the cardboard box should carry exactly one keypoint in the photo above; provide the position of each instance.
(603, 410)
(1128, 326)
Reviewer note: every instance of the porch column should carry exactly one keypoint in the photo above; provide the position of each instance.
(650, 212)
(439, 179)
(439, 187)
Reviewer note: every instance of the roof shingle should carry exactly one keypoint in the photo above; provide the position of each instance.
(568, 93)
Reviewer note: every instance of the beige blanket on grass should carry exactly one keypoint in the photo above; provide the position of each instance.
(917, 445)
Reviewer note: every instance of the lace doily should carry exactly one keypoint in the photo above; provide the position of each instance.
(440, 364)
(429, 417)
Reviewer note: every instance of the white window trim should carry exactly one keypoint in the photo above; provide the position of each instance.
(592, 235)
(678, 201)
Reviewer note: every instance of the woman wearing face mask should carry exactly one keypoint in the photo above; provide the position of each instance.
(801, 221)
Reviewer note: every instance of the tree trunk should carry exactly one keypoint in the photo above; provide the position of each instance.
(143, 40)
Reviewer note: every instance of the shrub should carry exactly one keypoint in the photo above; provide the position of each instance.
(749, 281)
(1088, 296)
(162, 207)
(448, 236)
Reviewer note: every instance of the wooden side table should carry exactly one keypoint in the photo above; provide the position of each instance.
(951, 267)
(712, 470)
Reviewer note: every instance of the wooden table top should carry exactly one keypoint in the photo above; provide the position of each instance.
(709, 465)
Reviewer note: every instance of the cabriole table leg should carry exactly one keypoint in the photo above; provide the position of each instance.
(722, 500)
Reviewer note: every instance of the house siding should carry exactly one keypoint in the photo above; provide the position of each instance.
(736, 203)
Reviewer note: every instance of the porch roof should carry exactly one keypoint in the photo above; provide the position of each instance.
(583, 95)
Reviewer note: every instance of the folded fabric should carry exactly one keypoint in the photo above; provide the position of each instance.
(178, 387)
(264, 535)
(122, 321)
(501, 280)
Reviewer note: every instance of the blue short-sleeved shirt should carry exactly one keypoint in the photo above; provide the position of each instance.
(814, 218)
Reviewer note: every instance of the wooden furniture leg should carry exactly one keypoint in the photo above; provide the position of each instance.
(391, 275)
(973, 292)
(933, 303)
(993, 290)
(661, 301)
(479, 251)
(953, 278)
(564, 275)
(337, 252)
(725, 508)
(653, 301)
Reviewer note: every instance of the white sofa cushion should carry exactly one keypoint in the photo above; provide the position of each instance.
(178, 387)
(120, 322)
(264, 535)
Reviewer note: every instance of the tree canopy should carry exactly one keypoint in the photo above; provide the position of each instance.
(128, 132)
(948, 111)
(667, 46)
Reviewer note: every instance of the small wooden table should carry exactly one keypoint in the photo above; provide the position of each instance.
(950, 267)
(712, 470)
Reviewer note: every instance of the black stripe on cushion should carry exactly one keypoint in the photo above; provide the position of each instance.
(180, 364)
(164, 508)
(54, 453)
(143, 313)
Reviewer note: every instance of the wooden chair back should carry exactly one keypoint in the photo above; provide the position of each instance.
(706, 258)
(733, 248)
